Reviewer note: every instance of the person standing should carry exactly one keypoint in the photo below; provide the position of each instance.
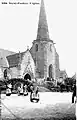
(9, 89)
(74, 93)
(18, 91)
(21, 89)
(25, 90)
(36, 90)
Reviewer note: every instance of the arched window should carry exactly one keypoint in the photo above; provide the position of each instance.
(5, 73)
(36, 47)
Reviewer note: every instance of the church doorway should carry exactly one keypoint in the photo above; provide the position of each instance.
(50, 71)
(27, 76)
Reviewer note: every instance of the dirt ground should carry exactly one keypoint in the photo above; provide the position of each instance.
(52, 106)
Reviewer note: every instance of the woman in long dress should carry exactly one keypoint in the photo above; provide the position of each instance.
(25, 90)
(8, 90)
(21, 89)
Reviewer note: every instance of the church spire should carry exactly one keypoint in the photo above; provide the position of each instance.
(42, 32)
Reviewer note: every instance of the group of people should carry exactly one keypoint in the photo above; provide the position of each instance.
(22, 89)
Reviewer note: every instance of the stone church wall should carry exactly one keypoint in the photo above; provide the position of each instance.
(27, 65)
(44, 57)
(57, 66)
(14, 72)
(51, 59)
(38, 58)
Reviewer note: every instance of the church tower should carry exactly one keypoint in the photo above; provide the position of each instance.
(43, 50)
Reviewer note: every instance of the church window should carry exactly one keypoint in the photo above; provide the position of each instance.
(5, 73)
(36, 47)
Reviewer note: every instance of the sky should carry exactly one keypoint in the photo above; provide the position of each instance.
(19, 23)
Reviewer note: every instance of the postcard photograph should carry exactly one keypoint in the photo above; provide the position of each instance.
(38, 59)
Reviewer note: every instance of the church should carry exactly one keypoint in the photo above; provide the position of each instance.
(41, 61)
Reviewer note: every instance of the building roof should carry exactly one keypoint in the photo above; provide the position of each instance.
(63, 74)
(15, 59)
(74, 76)
(3, 60)
(4, 53)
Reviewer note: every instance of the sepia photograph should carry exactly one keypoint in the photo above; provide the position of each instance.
(38, 59)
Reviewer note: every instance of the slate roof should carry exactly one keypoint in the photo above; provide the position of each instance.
(63, 73)
(3, 60)
(74, 76)
(4, 53)
(15, 59)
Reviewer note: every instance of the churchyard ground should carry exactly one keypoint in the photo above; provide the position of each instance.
(52, 106)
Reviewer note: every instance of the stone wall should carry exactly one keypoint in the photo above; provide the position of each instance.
(44, 57)
(27, 65)
(51, 58)
(38, 57)
(14, 72)
(57, 66)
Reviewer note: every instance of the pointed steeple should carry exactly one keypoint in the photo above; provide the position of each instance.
(42, 32)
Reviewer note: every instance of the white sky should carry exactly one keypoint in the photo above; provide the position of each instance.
(18, 28)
